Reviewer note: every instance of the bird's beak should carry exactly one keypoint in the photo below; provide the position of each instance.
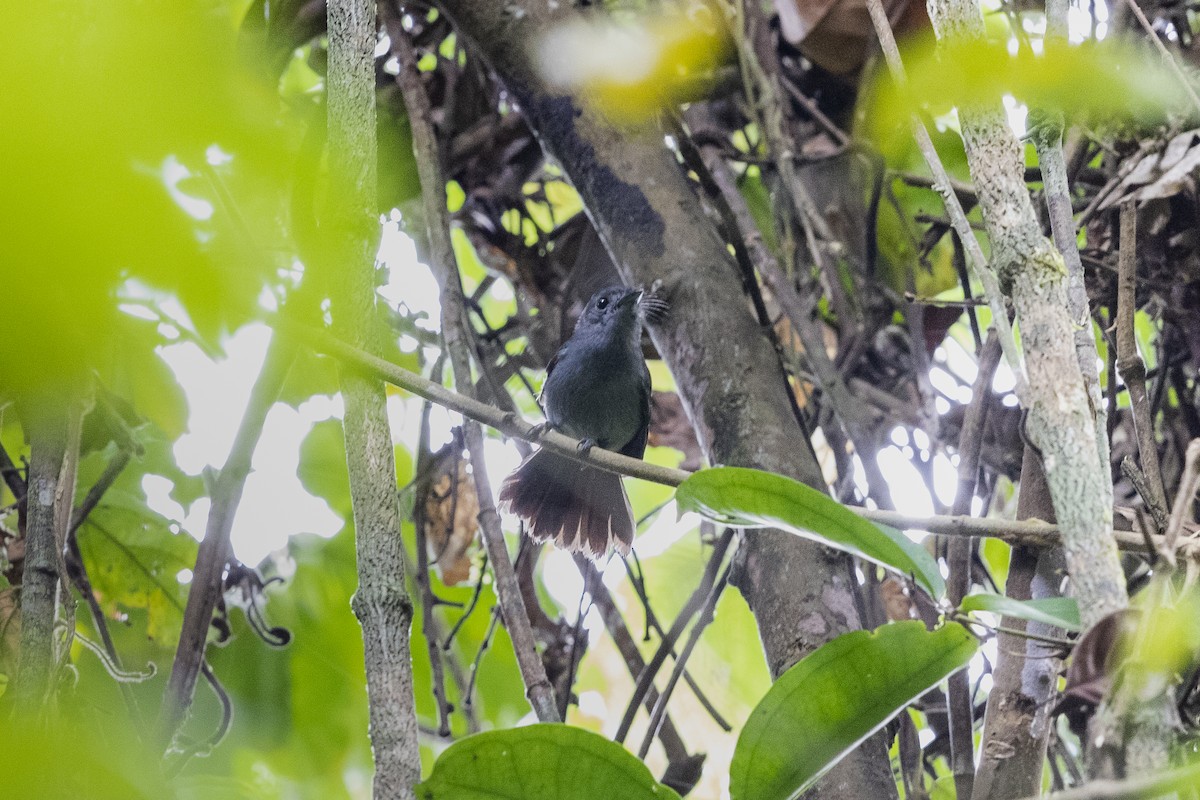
(632, 296)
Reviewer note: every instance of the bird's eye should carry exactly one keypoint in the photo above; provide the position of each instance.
(602, 303)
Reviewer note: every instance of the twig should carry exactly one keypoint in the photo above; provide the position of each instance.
(445, 267)
(77, 570)
(64, 500)
(214, 548)
(942, 183)
(1129, 360)
(813, 110)
(965, 191)
(428, 623)
(702, 621)
(471, 605)
(12, 476)
(668, 735)
(934, 301)
(638, 582)
(1158, 513)
(1046, 131)
(694, 603)
(468, 701)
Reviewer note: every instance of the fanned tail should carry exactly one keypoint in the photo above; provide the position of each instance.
(583, 509)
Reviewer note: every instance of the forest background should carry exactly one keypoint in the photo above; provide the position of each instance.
(944, 297)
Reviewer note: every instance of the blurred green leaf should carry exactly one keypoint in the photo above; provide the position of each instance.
(1095, 79)
(540, 762)
(630, 69)
(1062, 612)
(113, 108)
(836, 697)
(133, 558)
(322, 468)
(72, 760)
(751, 498)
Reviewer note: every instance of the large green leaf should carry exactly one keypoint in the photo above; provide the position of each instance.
(836, 697)
(1062, 612)
(540, 762)
(753, 498)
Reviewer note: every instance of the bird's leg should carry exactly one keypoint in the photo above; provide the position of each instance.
(585, 446)
(538, 430)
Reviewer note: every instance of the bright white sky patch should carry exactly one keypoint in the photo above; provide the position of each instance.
(274, 504)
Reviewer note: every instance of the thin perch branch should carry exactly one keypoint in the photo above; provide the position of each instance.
(970, 441)
(1033, 533)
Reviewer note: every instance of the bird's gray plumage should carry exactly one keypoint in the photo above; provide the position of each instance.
(597, 389)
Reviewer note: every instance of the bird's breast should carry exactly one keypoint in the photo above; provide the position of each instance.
(591, 397)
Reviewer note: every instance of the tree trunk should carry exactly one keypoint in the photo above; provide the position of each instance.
(729, 377)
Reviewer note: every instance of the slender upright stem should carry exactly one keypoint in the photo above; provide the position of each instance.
(970, 442)
(445, 267)
(381, 603)
(39, 586)
(1129, 360)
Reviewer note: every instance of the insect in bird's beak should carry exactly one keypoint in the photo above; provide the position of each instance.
(632, 296)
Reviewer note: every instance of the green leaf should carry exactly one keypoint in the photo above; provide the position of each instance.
(1062, 612)
(540, 762)
(752, 498)
(836, 697)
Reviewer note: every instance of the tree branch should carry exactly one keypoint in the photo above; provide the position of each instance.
(209, 570)
(1047, 134)
(970, 442)
(1033, 532)
(958, 218)
(1059, 420)
(445, 268)
(49, 442)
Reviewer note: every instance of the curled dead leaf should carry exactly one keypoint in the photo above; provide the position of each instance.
(1093, 663)
(896, 602)
(450, 515)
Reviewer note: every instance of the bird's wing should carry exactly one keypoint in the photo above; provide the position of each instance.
(549, 368)
(636, 447)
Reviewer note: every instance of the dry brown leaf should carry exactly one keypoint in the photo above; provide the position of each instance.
(896, 602)
(1161, 174)
(451, 514)
(837, 34)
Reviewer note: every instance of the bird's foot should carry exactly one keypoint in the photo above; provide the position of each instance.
(585, 446)
(537, 431)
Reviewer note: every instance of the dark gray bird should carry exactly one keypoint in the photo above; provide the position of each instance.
(597, 389)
